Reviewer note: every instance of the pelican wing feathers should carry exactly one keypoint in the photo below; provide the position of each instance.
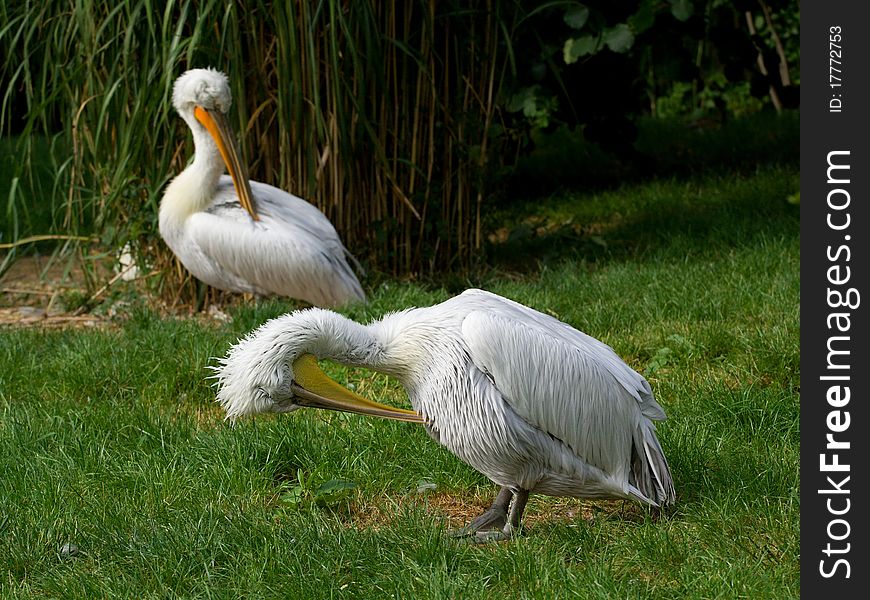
(574, 388)
(299, 257)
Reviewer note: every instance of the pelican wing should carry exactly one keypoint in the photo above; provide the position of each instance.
(628, 378)
(285, 208)
(292, 250)
(561, 380)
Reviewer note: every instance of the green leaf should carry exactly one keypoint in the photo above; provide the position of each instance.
(518, 101)
(683, 343)
(643, 19)
(759, 22)
(296, 495)
(619, 38)
(681, 9)
(659, 361)
(534, 102)
(576, 16)
(576, 47)
(333, 491)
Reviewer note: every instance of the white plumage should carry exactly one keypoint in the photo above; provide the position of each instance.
(527, 400)
(241, 235)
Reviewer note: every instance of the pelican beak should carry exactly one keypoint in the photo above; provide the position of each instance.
(216, 124)
(313, 388)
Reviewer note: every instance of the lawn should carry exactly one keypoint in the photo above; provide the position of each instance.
(121, 479)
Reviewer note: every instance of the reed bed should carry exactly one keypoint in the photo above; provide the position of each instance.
(381, 114)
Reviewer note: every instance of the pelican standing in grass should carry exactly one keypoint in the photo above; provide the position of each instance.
(527, 400)
(240, 235)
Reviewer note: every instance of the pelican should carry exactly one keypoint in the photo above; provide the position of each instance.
(241, 235)
(530, 402)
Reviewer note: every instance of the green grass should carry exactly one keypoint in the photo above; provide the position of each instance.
(110, 439)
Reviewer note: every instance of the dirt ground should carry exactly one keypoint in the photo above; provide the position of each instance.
(34, 292)
(44, 291)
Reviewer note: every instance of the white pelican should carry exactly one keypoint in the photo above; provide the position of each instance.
(527, 400)
(241, 235)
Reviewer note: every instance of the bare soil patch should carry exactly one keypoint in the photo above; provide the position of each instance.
(35, 290)
(458, 508)
(44, 291)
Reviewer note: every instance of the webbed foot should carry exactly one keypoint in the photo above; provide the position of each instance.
(495, 525)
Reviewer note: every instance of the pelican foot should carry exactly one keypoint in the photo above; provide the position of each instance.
(498, 535)
(511, 526)
(492, 521)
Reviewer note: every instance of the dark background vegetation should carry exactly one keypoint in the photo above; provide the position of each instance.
(407, 123)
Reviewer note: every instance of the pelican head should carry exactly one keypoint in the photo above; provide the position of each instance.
(202, 97)
(275, 369)
(207, 88)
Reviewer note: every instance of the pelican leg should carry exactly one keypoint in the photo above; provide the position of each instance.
(493, 520)
(512, 526)
(519, 505)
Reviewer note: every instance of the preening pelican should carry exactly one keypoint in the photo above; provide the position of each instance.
(241, 235)
(527, 400)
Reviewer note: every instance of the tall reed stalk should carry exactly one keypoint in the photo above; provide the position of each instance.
(379, 113)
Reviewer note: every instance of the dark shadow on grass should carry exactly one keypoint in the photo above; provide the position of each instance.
(561, 158)
(734, 217)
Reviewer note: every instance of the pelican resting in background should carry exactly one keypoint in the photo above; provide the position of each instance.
(240, 235)
(527, 400)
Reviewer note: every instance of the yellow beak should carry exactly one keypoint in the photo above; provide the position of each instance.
(312, 387)
(216, 124)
